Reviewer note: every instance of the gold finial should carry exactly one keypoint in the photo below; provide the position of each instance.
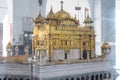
(61, 5)
(39, 13)
(105, 45)
(51, 9)
(75, 17)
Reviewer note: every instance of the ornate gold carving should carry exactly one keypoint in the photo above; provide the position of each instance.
(63, 32)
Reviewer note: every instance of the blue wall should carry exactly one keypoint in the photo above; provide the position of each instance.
(108, 20)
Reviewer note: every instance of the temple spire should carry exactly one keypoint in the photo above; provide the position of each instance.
(51, 10)
(39, 13)
(61, 5)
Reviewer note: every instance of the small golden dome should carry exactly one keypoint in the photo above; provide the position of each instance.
(62, 14)
(51, 15)
(105, 45)
(9, 45)
(88, 20)
(39, 19)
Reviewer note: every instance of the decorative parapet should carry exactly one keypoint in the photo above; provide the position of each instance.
(17, 59)
(15, 69)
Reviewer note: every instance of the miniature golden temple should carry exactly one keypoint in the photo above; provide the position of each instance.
(60, 37)
(62, 50)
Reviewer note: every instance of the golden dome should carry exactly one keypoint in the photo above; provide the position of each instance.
(50, 14)
(39, 19)
(88, 20)
(62, 14)
(105, 45)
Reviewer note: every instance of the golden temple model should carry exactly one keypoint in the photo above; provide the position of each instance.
(62, 50)
(59, 37)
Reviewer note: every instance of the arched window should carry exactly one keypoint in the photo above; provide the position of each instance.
(101, 77)
(15, 78)
(27, 79)
(96, 77)
(65, 55)
(84, 54)
(34, 78)
(105, 75)
(92, 77)
(82, 78)
(5, 78)
(21, 78)
(109, 75)
(87, 78)
(9, 78)
(77, 78)
(67, 79)
(72, 78)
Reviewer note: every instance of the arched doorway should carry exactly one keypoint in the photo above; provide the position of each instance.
(15, 78)
(66, 56)
(84, 54)
(72, 78)
(21, 78)
(27, 79)
(105, 75)
(5, 78)
(87, 78)
(101, 76)
(92, 77)
(109, 75)
(77, 78)
(96, 78)
(82, 78)
(10, 78)
(67, 79)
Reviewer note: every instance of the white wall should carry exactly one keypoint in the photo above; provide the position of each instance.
(97, 25)
(6, 20)
(27, 9)
(117, 34)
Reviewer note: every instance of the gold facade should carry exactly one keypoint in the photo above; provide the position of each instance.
(58, 31)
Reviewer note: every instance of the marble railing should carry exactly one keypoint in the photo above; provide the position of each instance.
(15, 69)
(54, 71)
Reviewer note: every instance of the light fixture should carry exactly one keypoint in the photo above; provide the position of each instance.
(106, 49)
(27, 49)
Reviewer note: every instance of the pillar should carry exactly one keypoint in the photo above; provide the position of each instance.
(81, 47)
